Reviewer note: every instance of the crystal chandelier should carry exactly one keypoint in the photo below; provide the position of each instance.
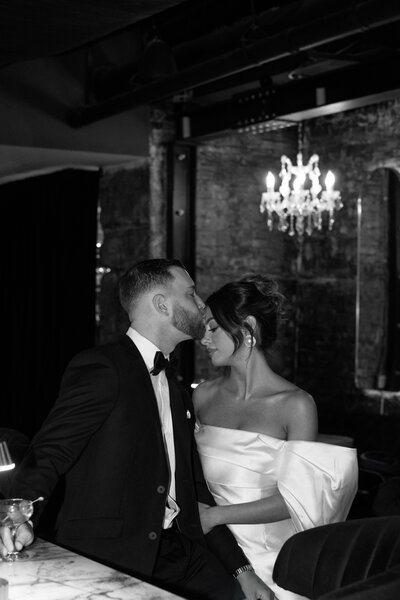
(300, 203)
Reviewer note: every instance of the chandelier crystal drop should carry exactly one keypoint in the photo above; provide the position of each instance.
(299, 205)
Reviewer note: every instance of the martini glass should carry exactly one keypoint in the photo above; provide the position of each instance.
(14, 512)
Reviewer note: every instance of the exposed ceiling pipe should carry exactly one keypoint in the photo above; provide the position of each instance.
(248, 29)
(357, 18)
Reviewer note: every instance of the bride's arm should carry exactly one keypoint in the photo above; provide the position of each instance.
(266, 510)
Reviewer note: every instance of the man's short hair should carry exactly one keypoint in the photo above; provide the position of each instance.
(142, 277)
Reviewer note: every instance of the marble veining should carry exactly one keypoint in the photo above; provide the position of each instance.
(54, 573)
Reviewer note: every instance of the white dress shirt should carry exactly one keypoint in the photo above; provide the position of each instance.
(161, 389)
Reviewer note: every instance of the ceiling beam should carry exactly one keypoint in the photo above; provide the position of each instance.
(31, 29)
(338, 91)
(356, 18)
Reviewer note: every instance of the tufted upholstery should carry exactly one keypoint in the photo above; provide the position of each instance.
(384, 586)
(354, 560)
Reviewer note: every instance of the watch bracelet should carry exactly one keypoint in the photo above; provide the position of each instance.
(242, 570)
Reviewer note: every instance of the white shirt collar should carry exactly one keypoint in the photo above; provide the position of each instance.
(146, 348)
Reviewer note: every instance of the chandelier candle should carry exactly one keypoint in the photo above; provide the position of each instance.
(300, 203)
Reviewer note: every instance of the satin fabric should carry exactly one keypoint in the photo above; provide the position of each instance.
(318, 482)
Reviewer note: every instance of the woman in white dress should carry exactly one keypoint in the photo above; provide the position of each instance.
(256, 434)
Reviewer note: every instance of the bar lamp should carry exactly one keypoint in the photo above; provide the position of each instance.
(6, 463)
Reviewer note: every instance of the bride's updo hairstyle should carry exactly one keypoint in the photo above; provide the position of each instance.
(252, 295)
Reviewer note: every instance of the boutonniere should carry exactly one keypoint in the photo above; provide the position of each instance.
(188, 415)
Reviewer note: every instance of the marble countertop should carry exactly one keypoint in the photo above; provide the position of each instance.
(54, 573)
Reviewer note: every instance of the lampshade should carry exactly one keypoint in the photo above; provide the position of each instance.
(6, 463)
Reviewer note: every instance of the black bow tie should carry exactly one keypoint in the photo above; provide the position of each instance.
(161, 363)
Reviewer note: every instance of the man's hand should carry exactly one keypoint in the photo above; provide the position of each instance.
(207, 514)
(253, 588)
(24, 537)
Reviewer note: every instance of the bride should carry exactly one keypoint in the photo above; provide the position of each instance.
(256, 434)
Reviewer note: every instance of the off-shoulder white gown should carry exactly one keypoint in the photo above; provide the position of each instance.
(318, 482)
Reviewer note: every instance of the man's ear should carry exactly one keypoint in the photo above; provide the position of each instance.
(160, 304)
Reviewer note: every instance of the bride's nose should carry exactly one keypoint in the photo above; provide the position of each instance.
(205, 340)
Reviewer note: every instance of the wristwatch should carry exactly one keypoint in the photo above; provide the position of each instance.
(242, 570)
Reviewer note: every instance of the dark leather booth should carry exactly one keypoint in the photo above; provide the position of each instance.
(354, 560)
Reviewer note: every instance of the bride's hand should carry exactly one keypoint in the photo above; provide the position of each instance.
(207, 514)
(253, 587)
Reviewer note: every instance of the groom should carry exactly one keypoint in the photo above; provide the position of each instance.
(121, 431)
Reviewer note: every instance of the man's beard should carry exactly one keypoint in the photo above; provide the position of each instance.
(189, 323)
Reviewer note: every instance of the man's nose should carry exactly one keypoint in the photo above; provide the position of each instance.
(201, 305)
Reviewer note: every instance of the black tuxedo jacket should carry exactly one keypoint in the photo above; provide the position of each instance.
(104, 434)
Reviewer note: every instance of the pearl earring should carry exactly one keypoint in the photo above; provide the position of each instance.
(249, 341)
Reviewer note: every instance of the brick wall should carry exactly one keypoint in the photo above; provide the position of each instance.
(133, 204)
(125, 220)
(317, 348)
(231, 234)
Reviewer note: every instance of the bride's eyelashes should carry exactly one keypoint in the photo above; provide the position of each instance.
(212, 325)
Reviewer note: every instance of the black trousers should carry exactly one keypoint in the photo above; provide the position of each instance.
(191, 571)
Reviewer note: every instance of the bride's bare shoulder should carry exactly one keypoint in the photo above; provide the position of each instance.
(300, 399)
(301, 415)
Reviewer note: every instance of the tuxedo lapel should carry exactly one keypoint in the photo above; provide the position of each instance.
(181, 415)
(145, 388)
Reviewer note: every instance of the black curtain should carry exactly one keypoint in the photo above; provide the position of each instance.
(48, 261)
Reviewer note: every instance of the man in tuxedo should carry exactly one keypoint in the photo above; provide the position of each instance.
(121, 431)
